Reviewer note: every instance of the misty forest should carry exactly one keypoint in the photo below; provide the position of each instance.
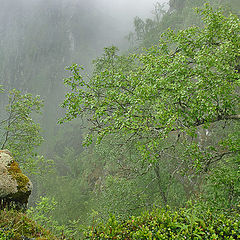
(119, 119)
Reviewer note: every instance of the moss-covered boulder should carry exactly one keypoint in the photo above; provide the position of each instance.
(15, 187)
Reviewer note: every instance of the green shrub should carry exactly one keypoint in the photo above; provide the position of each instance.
(42, 214)
(166, 224)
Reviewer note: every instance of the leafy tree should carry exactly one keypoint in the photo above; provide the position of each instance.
(165, 97)
(190, 85)
(19, 132)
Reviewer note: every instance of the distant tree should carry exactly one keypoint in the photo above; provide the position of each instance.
(159, 11)
(176, 4)
(19, 132)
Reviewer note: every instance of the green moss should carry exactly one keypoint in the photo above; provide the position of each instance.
(14, 168)
(15, 225)
(22, 181)
(17, 174)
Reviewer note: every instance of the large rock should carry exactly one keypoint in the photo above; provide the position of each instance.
(15, 187)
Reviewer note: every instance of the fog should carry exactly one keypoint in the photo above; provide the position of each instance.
(39, 38)
(124, 11)
(114, 19)
(67, 30)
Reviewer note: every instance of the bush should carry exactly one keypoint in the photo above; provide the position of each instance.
(42, 214)
(166, 224)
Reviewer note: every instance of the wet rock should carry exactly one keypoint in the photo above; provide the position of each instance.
(15, 187)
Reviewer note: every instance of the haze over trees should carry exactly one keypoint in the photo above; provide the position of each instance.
(152, 128)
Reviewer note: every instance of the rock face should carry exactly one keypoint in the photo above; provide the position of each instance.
(15, 187)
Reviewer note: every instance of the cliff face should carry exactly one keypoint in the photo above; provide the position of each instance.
(15, 187)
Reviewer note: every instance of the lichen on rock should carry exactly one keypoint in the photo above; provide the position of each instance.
(15, 187)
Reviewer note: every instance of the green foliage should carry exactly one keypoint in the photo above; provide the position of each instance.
(69, 185)
(175, 106)
(187, 82)
(125, 185)
(164, 117)
(15, 225)
(42, 214)
(121, 197)
(222, 186)
(19, 132)
(154, 106)
(165, 224)
(43, 210)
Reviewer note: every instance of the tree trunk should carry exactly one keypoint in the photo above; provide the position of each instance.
(160, 185)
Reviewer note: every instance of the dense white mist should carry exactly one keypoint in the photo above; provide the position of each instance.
(124, 11)
(40, 32)
(115, 16)
(128, 9)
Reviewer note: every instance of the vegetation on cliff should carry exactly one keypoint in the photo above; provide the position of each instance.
(186, 223)
(15, 225)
